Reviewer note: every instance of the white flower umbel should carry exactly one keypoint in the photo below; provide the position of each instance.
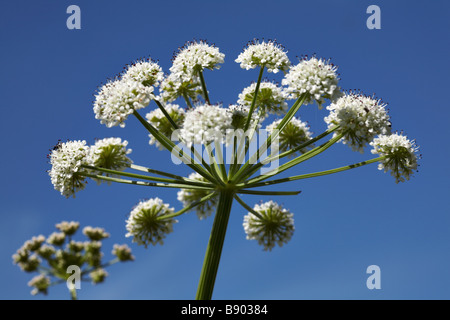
(66, 160)
(143, 223)
(158, 120)
(147, 72)
(271, 98)
(275, 227)
(204, 124)
(293, 135)
(269, 54)
(401, 155)
(177, 85)
(122, 252)
(361, 118)
(117, 99)
(189, 196)
(196, 56)
(316, 77)
(40, 284)
(110, 153)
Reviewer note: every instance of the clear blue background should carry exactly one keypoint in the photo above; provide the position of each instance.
(344, 222)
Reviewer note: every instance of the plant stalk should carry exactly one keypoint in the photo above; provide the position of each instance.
(215, 244)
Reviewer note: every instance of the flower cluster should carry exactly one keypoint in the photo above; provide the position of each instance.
(86, 255)
(316, 78)
(204, 124)
(196, 56)
(110, 153)
(400, 155)
(268, 54)
(184, 78)
(274, 225)
(360, 118)
(158, 120)
(119, 98)
(271, 98)
(147, 72)
(67, 160)
(190, 196)
(177, 85)
(293, 135)
(145, 224)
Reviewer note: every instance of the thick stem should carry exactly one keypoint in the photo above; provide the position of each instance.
(215, 244)
(73, 293)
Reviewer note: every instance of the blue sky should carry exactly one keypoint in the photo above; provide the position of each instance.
(344, 222)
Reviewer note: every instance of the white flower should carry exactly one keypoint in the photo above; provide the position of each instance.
(117, 99)
(40, 284)
(98, 275)
(400, 153)
(147, 72)
(189, 196)
(34, 244)
(95, 234)
(360, 117)
(177, 85)
(122, 252)
(196, 56)
(68, 228)
(275, 227)
(271, 98)
(162, 124)
(205, 123)
(293, 135)
(66, 160)
(316, 77)
(268, 54)
(143, 223)
(110, 153)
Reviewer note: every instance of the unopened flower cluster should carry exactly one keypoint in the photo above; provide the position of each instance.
(51, 256)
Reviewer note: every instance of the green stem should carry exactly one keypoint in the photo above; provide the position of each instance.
(205, 92)
(252, 106)
(254, 158)
(186, 209)
(161, 173)
(215, 244)
(73, 293)
(251, 170)
(247, 207)
(270, 193)
(188, 102)
(308, 155)
(312, 175)
(144, 177)
(174, 149)
(161, 107)
(142, 183)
